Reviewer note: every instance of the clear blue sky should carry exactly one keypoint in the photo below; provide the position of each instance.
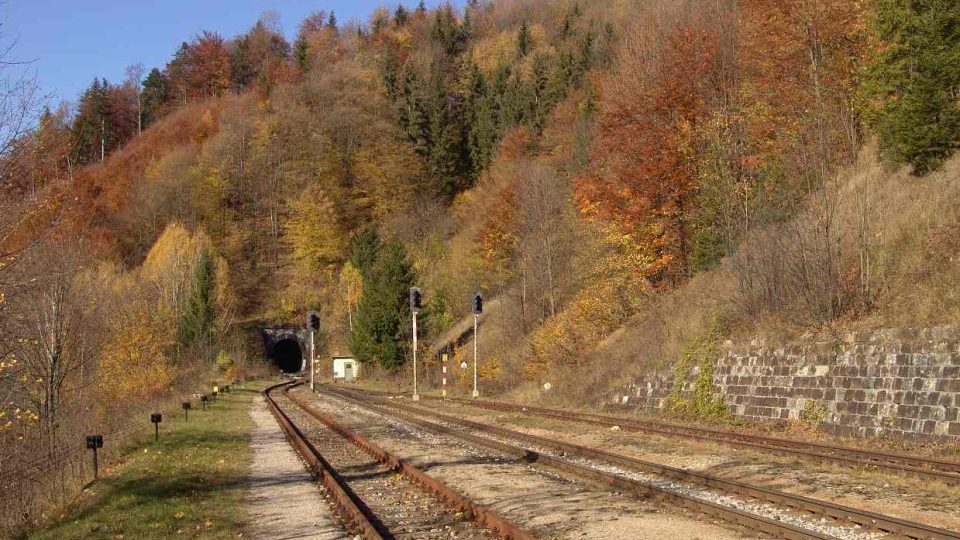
(72, 42)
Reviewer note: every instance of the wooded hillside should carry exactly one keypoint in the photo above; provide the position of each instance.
(618, 178)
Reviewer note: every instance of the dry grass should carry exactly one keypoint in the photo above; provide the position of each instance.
(916, 243)
(906, 228)
(655, 338)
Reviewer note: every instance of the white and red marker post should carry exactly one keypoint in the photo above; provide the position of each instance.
(443, 364)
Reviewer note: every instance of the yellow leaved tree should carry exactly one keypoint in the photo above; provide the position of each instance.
(169, 264)
(135, 366)
(313, 231)
(351, 289)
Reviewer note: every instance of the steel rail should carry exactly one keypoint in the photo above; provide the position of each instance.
(940, 470)
(797, 503)
(779, 443)
(348, 503)
(480, 514)
(727, 514)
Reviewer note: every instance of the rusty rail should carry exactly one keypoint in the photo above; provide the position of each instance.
(838, 513)
(939, 470)
(348, 503)
(473, 511)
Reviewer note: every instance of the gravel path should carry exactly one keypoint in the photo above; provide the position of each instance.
(284, 502)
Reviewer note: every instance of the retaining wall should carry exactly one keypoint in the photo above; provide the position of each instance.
(894, 381)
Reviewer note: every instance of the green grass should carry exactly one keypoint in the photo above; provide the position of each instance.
(190, 484)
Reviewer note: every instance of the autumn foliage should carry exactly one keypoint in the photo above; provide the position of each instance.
(644, 175)
(574, 161)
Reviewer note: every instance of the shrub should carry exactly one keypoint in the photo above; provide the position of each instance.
(704, 403)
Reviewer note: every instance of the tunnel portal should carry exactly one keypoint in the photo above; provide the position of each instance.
(285, 347)
(287, 356)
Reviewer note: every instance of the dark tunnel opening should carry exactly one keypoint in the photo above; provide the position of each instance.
(287, 356)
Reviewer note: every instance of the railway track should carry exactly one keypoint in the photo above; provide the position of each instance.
(384, 498)
(741, 504)
(947, 472)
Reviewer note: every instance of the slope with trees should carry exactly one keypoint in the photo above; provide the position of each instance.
(616, 178)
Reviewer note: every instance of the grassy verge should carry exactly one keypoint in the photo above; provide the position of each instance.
(190, 484)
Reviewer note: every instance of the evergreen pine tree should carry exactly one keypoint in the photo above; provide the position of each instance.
(503, 98)
(365, 250)
(413, 115)
(566, 73)
(605, 54)
(177, 72)
(442, 152)
(242, 71)
(567, 29)
(92, 127)
(524, 40)
(585, 62)
(300, 52)
(381, 326)
(516, 100)
(912, 81)
(154, 96)
(466, 29)
(388, 73)
(540, 99)
(197, 322)
(481, 129)
(400, 16)
(447, 33)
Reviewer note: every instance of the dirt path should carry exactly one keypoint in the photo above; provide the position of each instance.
(284, 501)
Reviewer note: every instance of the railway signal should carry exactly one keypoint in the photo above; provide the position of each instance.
(416, 304)
(156, 418)
(186, 411)
(416, 299)
(313, 324)
(477, 310)
(95, 442)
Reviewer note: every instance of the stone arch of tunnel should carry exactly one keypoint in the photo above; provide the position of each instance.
(287, 355)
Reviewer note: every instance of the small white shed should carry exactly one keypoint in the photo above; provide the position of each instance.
(346, 368)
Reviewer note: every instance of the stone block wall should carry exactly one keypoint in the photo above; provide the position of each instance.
(893, 381)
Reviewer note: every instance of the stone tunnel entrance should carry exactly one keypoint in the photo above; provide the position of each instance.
(287, 356)
(286, 346)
